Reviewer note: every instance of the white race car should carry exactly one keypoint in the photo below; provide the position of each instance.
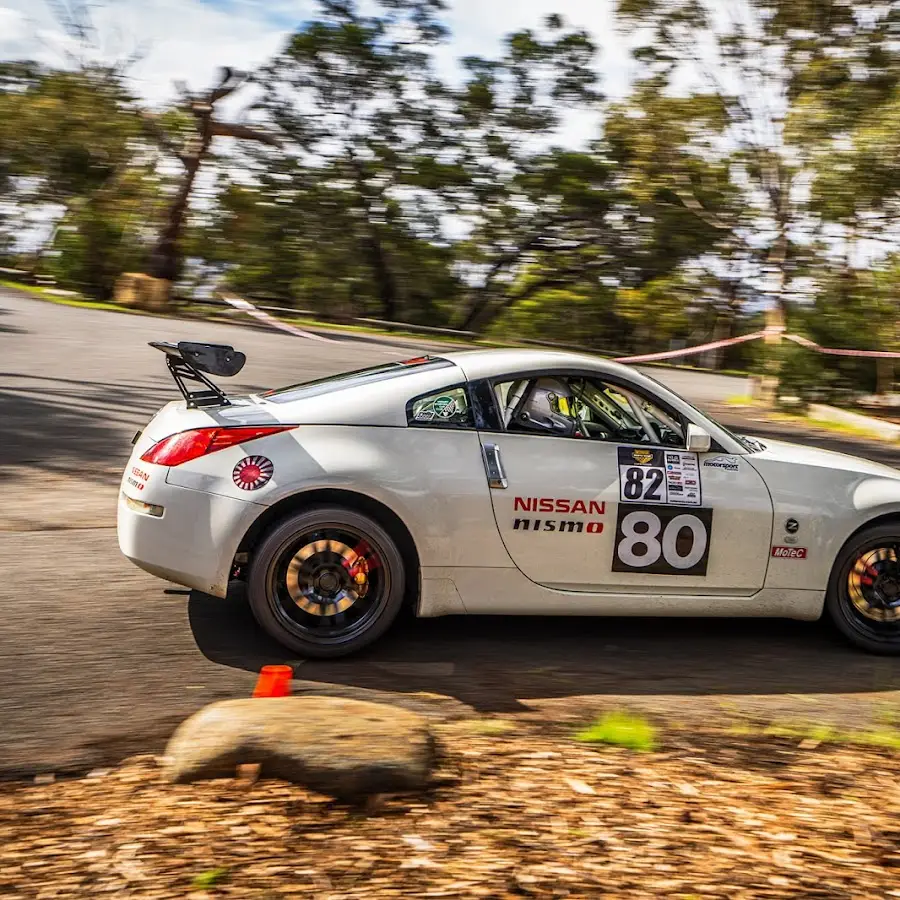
(498, 481)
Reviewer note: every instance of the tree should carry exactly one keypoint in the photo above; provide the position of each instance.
(733, 69)
(530, 206)
(71, 155)
(191, 148)
(352, 95)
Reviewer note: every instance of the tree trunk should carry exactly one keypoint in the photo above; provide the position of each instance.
(480, 314)
(385, 284)
(721, 332)
(165, 262)
(884, 369)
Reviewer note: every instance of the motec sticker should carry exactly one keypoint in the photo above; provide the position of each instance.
(789, 552)
(253, 472)
(662, 540)
(659, 476)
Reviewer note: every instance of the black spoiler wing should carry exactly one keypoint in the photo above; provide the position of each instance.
(189, 363)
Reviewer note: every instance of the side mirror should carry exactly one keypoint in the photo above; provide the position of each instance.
(698, 439)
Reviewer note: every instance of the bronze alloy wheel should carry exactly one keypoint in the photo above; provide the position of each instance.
(864, 593)
(326, 581)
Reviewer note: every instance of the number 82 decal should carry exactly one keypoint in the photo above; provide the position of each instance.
(662, 541)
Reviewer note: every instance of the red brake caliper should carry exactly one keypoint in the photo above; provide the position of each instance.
(364, 562)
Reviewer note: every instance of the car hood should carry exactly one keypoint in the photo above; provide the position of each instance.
(785, 452)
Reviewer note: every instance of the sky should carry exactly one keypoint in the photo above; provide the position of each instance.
(190, 39)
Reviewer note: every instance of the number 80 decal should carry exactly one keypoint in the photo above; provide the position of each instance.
(662, 541)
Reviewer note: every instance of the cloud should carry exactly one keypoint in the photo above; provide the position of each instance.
(174, 39)
(191, 39)
(15, 34)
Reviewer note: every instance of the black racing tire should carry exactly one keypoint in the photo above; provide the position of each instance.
(279, 613)
(882, 637)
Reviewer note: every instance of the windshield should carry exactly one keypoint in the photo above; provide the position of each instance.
(751, 445)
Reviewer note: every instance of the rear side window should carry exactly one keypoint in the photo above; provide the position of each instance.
(354, 379)
(447, 408)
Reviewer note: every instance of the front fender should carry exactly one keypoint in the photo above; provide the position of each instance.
(877, 497)
(830, 505)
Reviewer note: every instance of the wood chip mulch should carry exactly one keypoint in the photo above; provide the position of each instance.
(522, 814)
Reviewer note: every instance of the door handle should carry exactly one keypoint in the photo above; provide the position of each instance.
(494, 468)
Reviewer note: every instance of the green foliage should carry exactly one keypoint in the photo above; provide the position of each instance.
(621, 729)
(209, 879)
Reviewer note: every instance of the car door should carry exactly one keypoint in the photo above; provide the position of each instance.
(616, 513)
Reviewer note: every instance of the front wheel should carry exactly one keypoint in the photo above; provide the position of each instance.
(326, 582)
(864, 592)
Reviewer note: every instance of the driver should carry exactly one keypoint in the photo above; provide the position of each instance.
(550, 408)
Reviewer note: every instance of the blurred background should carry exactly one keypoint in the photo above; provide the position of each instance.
(628, 175)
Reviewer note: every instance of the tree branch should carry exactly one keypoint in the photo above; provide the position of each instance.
(243, 132)
(692, 204)
(229, 81)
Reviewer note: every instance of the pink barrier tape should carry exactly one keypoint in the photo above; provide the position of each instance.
(689, 351)
(812, 345)
(247, 307)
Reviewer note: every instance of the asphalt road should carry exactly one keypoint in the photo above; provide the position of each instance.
(97, 661)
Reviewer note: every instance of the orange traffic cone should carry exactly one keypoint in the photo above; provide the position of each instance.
(274, 681)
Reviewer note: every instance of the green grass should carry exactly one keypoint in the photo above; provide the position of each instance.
(883, 736)
(491, 727)
(741, 400)
(620, 729)
(888, 715)
(835, 427)
(46, 294)
(209, 879)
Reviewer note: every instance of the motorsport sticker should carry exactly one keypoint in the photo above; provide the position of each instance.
(659, 476)
(441, 407)
(444, 407)
(726, 463)
(253, 472)
(789, 552)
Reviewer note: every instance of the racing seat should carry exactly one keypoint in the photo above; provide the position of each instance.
(513, 395)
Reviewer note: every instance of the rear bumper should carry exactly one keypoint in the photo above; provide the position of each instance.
(194, 541)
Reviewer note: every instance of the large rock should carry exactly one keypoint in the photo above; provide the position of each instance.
(344, 748)
(143, 291)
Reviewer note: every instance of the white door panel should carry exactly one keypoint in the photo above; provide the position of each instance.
(592, 516)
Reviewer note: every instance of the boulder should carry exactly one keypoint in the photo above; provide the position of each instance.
(143, 291)
(344, 748)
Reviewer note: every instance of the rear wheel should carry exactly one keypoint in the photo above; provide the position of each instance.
(326, 582)
(864, 593)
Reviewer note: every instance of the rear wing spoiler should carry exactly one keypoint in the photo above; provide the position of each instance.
(190, 363)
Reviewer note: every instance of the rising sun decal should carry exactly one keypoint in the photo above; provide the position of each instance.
(253, 472)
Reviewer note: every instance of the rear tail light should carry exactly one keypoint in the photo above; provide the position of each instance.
(187, 445)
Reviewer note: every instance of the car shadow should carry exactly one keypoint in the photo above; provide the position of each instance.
(72, 426)
(492, 663)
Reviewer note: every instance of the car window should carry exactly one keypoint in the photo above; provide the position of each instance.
(580, 407)
(448, 408)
